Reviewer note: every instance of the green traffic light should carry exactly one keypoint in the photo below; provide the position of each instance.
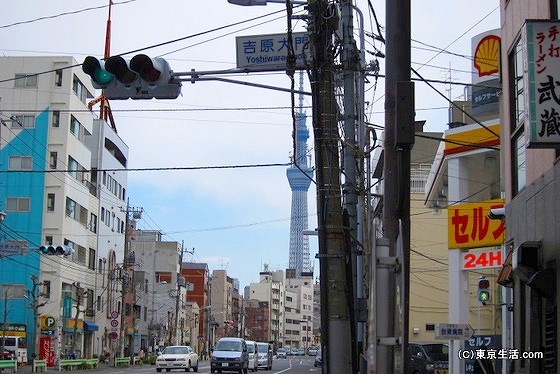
(102, 77)
(483, 296)
(92, 67)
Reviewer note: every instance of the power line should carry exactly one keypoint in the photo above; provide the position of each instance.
(172, 168)
(63, 14)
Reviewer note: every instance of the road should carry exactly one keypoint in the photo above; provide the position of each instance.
(291, 365)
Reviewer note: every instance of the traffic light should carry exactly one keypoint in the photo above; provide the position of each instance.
(483, 290)
(56, 250)
(140, 78)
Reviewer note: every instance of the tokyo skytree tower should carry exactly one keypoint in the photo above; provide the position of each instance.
(300, 179)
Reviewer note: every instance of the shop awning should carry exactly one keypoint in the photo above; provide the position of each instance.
(90, 326)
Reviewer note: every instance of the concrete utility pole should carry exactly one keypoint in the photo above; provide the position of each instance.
(333, 255)
(79, 297)
(399, 137)
(127, 278)
(353, 172)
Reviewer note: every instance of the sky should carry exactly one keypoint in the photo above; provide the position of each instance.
(235, 218)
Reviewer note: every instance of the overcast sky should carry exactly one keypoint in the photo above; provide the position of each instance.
(238, 218)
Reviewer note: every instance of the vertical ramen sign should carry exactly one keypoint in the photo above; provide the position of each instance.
(542, 59)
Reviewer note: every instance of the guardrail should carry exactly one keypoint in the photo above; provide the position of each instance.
(85, 363)
(8, 364)
(122, 360)
(39, 364)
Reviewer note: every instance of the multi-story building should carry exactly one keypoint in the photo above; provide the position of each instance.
(256, 326)
(162, 316)
(47, 128)
(530, 139)
(222, 295)
(271, 290)
(300, 289)
(196, 275)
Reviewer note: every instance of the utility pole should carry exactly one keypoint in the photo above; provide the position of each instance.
(127, 277)
(78, 300)
(392, 319)
(176, 323)
(333, 255)
(4, 317)
(353, 173)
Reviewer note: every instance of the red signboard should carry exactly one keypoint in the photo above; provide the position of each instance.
(46, 351)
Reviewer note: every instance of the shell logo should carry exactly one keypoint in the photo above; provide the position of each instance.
(487, 56)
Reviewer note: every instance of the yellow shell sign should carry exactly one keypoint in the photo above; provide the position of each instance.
(487, 55)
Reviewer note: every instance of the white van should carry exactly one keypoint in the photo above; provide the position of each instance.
(253, 355)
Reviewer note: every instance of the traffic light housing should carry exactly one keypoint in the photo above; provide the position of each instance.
(483, 290)
(56, 250)
(140, 78)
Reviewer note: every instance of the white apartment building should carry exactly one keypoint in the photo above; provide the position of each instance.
(49, 129)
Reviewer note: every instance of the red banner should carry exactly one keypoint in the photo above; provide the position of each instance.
(46, 351)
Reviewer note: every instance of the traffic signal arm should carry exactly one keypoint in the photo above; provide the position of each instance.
(140, 78)
(56, 250)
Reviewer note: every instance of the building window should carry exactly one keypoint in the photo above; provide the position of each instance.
(13, 291)
(518, 114)
(71, 208)
(50, 202)
(73, 167)
(58, 78)
(519, 169)
(53, 160)
(24, 80)
(55, 120)
(75, 127)
(79, 89)
(20, 163)
(91, 262)
(46, 289)
(17, 204)
(23, 121)
(163, 276)
(92, 223)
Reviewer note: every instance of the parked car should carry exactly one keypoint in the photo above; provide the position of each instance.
(281, 353)
(428, 358)
(181, 357)
(253, 355)
(318, 359)
(230, 354)
(301, 352)
(312, 351)
(265, 355)
(294, 352)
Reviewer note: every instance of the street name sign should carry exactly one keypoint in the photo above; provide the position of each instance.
(269, 52)
(453, 331)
